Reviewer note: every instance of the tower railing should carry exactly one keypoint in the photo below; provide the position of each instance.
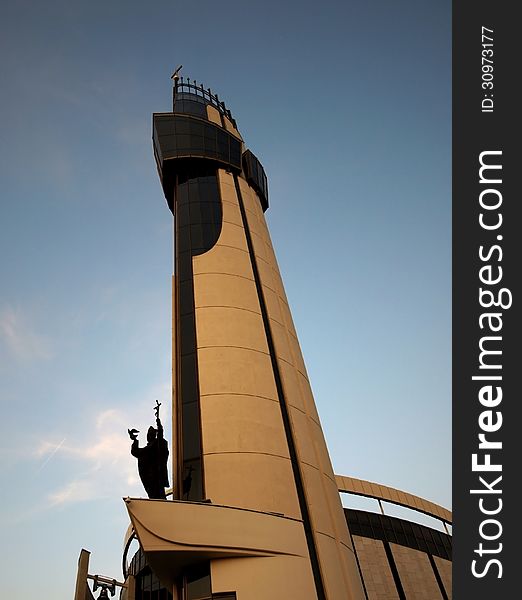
(186, 86)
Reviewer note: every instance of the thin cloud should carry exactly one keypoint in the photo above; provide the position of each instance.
(21, 341)
(74, 491)
(52, 453)
(106, 466)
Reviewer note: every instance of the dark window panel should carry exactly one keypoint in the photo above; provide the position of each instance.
(184, 141)
(169, 143)
(189, 389)
(182, 126)
(191, 433)
(195, 212)
(186, 297)
(197, 582)
(182, 214)
(181, 194)
(192, 480)
(185, 136)
(187, 334)
(366, 531)
(210, 131)
(206, 212)
(197, 128)
(184, 239)
(196, 236)
(197, 144)
(392, 529)
(164, 125)
(184, 264)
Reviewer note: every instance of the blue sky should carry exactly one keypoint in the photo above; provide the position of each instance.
(347, 105)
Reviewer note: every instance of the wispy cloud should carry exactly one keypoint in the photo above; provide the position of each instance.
(105, 467)
(51, 454)
(78, 490)
(20, 339)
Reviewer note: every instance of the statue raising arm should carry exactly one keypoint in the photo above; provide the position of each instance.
(158, 422)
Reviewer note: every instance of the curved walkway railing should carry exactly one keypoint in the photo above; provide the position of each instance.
(185, 86)
(360, 487)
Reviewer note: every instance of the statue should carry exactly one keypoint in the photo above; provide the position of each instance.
(152, 459)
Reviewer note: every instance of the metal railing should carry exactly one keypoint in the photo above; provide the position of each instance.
(186, 86)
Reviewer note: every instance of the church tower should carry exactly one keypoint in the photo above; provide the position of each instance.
(255, 512)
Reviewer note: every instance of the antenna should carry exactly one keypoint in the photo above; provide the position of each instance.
(175, 77)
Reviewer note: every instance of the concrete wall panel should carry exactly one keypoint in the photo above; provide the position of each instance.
(375, 568)
(235, 423)
(416, 574)
(227, 326)
(278, 578)
(444, 568)
(339, 581)
(291, 385)
(235, 371)
(224, 259)
(218, 289)
(249, 480)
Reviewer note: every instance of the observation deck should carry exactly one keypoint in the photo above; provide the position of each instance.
(201, 128)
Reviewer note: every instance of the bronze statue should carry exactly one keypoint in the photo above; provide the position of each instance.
(152, 458)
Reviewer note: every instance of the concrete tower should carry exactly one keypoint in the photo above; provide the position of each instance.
(256, 512)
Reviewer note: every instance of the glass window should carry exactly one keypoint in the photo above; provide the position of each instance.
(184, 265)
(197, 128)
(163, 124)
(208, 233)
(169, 143)
(196, 236)
(186, 297)
(182, 212)
(191, 107)
(184, 140)
(189, 388)
(198, 225)
(197, 583)
(182, 126)
(187, 334)
(255, 175)
(184, 239)
(195, 211)
(191, 446)
(198, 144)
(192, 480)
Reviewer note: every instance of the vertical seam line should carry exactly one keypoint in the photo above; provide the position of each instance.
(438, 577)
(394, 570)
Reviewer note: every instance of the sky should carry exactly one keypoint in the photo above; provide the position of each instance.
(347, 106)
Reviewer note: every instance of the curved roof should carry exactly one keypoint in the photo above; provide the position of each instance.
(368, 489)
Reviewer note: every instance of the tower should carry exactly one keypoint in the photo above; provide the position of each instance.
(256, 510)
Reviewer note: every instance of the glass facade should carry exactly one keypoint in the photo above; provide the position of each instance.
(178, 136)
(194, 584)
(197, 583)
(399, 531)
(188, 97)
(198, 225)
(148, 586)
(191, 104)
(256, 176)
